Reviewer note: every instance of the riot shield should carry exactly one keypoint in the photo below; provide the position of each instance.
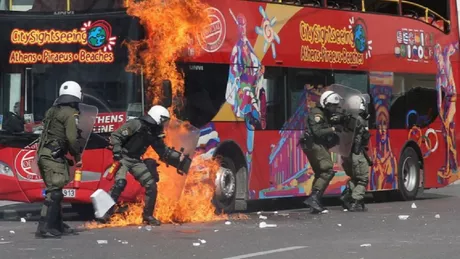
(346, 135)
(86, 120)
(183, 136)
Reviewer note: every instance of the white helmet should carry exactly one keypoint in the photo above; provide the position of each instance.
(70, 88)
(356, 102)
(329, 97)
(159, 114)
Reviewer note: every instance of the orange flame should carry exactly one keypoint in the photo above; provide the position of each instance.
(169, 26)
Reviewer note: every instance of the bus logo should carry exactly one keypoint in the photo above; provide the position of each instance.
(25, 166)
(99, 35)
(213, 37)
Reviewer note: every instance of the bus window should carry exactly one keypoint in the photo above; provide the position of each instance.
(299, 80)
(406, 109)
(108, 87)
(275, 91)
(205, 88)
(382, 6)
(10, 109)
(358, 81)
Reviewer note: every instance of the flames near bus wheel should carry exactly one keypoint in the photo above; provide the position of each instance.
(155, 56)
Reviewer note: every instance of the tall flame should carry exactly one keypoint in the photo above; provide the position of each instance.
(169, 25)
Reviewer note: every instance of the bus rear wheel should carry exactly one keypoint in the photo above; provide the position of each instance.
(225, 193)
(84, 210)
(409, 174)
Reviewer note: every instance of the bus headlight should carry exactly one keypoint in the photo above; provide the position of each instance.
(5, 170)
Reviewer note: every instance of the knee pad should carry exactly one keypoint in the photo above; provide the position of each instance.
(57, 195)
(121, 184)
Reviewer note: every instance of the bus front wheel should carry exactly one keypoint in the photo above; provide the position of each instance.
(225, 193)
(409, 174)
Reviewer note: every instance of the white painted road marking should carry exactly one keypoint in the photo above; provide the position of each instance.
(266, 252)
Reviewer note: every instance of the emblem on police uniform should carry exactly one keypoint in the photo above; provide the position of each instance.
(125, 132)
(317, 118)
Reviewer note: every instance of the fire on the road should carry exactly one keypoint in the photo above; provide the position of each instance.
(169, 26)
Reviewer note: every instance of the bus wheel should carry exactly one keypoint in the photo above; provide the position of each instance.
(85, 211)
(225, 193)
(409, 174)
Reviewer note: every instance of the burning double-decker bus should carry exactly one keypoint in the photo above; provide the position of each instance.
(260, 67)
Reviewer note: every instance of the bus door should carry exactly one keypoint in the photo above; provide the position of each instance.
(29, 178)
(14, 160)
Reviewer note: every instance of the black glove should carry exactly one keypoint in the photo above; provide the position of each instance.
(336, 119)
(116, 156)
(70, 162)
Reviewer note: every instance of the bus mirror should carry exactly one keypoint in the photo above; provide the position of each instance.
(167, 93)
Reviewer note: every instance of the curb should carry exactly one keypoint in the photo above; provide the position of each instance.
(27, 211)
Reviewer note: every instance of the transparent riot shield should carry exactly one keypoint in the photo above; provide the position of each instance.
(85, 124)
(86, 120)
(350, 113)
(183, 137)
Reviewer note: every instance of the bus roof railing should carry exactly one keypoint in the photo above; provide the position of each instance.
(427, 10)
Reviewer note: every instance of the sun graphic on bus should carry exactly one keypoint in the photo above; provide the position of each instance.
(99, 35)
(266, 31)
(362, 44)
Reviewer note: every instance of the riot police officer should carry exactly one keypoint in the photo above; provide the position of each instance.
(319, 137)
(356, 166)
(60, 135)
(130, 142)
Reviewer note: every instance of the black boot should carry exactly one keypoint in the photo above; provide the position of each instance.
(150, 200)
(314, 203)
(358, 206)
(63, 227)
(115, 193)
(47, 224)
(346, 199)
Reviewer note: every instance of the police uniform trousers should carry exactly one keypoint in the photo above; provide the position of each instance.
(321, 162)
(357, 168)
(55, 175)
(145, 173)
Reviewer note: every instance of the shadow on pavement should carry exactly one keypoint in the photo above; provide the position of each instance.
(84, 212)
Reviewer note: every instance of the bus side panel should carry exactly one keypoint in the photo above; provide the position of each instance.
(9, 185)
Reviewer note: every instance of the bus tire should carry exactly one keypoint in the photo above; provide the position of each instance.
(84, 210)
(408, 174)
(225, 194)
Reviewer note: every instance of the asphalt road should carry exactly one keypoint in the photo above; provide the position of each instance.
(379, 233)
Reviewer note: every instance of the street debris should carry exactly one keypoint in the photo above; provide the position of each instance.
(413, 206)
(339, 225)
(148, 228)
(264, 224)
(259, 212)
(228, 223)
(23, 220)
(262, 217)
(437, 216)
(12, 232)
(202, 241)
(124, 242)
(216, 230)
(275, 212)
(101, 242)
(366, 245)
(403, 217)
(196, 244)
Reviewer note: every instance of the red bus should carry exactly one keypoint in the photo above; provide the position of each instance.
(262, 67)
